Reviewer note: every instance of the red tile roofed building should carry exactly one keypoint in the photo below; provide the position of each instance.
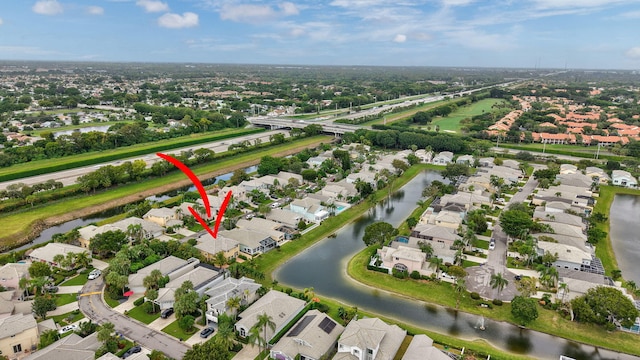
(604, 140)
(548, 124)
(547, 138)
(583, 117)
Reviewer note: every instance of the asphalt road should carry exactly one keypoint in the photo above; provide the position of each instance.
(68, 177)
(94, 308)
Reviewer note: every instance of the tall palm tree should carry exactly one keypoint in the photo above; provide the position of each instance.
(436, 262)
(459, 286)
(38, 284)
(233, 303)
(135, 232)
(226, 336)
(565, 290)
(256, 338)
(71, 259)
(498, 282)
(23, 284)
(83, 259)
(459, 257)
(265, 321)
(152, 280)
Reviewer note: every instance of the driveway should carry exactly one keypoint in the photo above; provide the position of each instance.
(95, 309)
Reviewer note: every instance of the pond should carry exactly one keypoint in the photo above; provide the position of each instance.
(625, 234)
(323, 265)
(87, 129)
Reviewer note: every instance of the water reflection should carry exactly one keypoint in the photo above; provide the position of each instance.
(625, 228)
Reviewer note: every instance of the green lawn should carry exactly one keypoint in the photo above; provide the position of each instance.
(481, 244)
(451, 123)
(403, 115)
(140, 313)
(20, 222)
(81, 279)
(63, 299)
(61, 319)
(111, 302)
(174, 330)
(45, 166)
(73, 127)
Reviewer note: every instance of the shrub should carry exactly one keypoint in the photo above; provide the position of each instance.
(399, 274)
(475, 296)
(323, 308)
(288, 291)
(415, 275)
(139, 302)
(497, 302)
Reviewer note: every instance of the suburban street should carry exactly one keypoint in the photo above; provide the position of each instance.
(68, 177)
(95, 309)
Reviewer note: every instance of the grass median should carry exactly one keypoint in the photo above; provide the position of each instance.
(40, 167)
(18, 224)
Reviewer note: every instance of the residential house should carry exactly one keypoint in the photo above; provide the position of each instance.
(341, 190)
(316, 161)
(568, 169)
(312, 337)
(600, 175)
(421, 348)
(149, 230)
(49, 251)
(467, 200)
(569, 257)
(577, 180)
(310, 209)
(579, 282)
(447, 218)
(251, 242)
(244, 288)
(369, 339)
(202, 277)
(486, 162)
(161, 216)
(269, 227)
(563, 218)
(364, 175)
(238, 193)
(170, 266)
(209, 246)
(424, 156)
(70, 347)
(465, 159)
(281, 307)
(18, 335)
(437, 234)
(215, 202)
(513, 164)
(11, 273)
(285, 217)
(623, 178)
(443, 158)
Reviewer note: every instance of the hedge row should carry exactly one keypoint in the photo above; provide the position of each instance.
(45, 169)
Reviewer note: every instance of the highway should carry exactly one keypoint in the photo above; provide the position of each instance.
(68, 177)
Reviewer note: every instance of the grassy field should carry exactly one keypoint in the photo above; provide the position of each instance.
(140, 313)
(20, 222)
(73, 127)
(174, 330)
(402, 115)
(63, 299)
(604, 251)
(111, 302)
(49, 165)
(81, 279)
(451, 123)
(61, 319)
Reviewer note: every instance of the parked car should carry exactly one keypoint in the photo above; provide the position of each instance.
(68, 328)
(133, 350)
(51, 288)
(94, 274)
(166, 313)
(206, 332)
(518, 277)
(492, 245)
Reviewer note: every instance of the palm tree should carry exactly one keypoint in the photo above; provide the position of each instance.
(565, 290)
(71, 259)
(219, 259)
(265, 321)
(38, 284)
(152, 280)
(426, 248)
(234, 304)
(436, 262)
(309, 293)
(459, 257)
(135, 232)
(83, 259)
(459, 286)
(255, 338)
(498, 282)
(104, 334)
(226, 336)
(58, 259)
(23, 284)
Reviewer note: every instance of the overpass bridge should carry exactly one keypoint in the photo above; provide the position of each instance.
(328, 128)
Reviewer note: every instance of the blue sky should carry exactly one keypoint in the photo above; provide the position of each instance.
(600, 34)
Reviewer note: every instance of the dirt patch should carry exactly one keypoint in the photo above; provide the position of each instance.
(38, 226)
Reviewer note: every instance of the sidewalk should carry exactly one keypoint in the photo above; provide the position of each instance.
(73, 289)
(64, 309)
(248, 352)
(128, 305)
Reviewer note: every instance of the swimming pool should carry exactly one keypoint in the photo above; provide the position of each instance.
(402, 239)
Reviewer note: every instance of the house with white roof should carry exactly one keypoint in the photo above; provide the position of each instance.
(251, 242)
(11, 273)
(569, 257)
(438, 234)
(209, 246)
(369, 339)
(281, 307)
(364, 175)
(568, 169)
(244, 288)
(421, 348)
(310, 209)
(171, 266)
(465, 159)
(285, 217)
(265, 226)
(49, 251)
(202, 278)
(340, 190)
(424, 156)
(443, 158)
(623, 178)
(18, 335)
(312, 337)
(71, 347)
(601, 176)
(161, 216)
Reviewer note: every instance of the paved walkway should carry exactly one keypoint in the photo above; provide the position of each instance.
(160, 323)
(64, 309)
(69, 289)
(99, 264)
(128, 305)
(248, 352)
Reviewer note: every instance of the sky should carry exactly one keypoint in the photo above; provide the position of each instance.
(574, 34)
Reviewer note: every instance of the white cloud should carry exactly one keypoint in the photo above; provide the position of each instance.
(95, 10)
(400, 38)
(289, 8)
(456, 2)
(633, 53)
(177, 21)
(47, 7)
(153, 6)
(358, 3)
(631, 15)
(556, 4)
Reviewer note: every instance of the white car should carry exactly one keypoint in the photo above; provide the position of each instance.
(492, 245)
(94, 274)
(68, 328)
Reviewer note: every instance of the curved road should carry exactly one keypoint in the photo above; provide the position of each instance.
(95, 309)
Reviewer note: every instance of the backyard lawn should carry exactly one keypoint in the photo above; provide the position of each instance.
(73, 317)
(63, 299)
(451, 123)
(140, 313)
(112, 303)
(81, 279)
(174, 330)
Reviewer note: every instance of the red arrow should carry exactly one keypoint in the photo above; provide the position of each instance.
(194, 179)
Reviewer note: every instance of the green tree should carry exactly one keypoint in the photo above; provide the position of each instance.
(152, 295)
(498, 282)
(42, 304)
(186, 300)
(117, 281)
(152, 281)
(86, 328)
(459, 286)
(436, 263)
(233, 303)
(602, 305)
(39, 269)
(379, 233)
(238, 176)
(186, 323)
(47, 338)
(108, 243)
(265, 322)
(526, 286)
(515, 222)
(524, 310)
(454, 170)
(270, 165)
(206, 351)
(226, 335)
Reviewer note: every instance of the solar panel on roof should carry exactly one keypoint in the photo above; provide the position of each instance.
(327, 325)
(301, 325)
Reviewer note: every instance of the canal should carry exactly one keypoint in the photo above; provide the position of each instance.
(625, 227)
(323, 265)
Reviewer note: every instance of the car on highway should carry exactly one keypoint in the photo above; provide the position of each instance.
(166, 313)
(206, 332)
(134, 349)
(94, 274)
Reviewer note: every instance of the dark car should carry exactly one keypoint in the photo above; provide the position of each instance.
(518, 277)
(133, 350)
(51, 288)
(206, 332)
(166, 313)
